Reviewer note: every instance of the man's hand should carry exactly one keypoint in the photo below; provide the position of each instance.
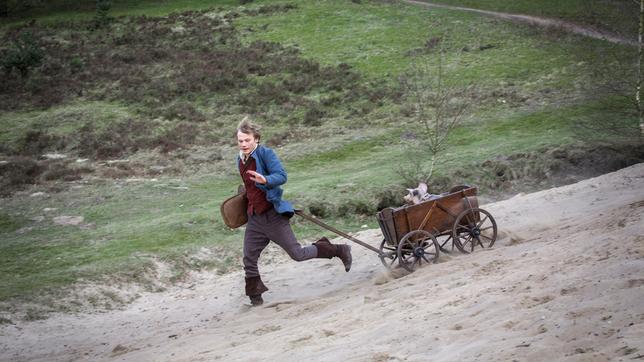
(256, 177)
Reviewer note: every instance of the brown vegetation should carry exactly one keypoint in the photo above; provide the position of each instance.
(184, 68)
(157, 62)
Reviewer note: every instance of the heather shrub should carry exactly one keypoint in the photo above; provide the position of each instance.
(64, 170)
(320, 209)
(314, 115)
(357, 206)
(36, 142)
(183, 111)
(162, 67)
(23, 54)
(18, 172)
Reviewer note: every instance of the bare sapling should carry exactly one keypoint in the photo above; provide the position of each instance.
(438, 104)
(616, 72)
(640, 46)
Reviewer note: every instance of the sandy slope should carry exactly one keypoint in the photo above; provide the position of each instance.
(565, 282)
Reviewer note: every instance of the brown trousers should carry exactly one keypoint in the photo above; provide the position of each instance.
(261, 229)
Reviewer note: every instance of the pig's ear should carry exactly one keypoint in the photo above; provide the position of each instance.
(422, 187)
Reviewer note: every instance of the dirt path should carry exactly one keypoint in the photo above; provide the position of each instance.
(565, 281)
(534, 20)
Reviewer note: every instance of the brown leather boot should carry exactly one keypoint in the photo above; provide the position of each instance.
(327, 250)
(254, 289)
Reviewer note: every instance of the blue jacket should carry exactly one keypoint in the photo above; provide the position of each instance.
(269, 165)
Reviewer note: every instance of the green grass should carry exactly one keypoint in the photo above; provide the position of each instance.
(376, 39)
(11, 223)
(148, 219)
(534, 86)
(619, 16)
(128, 224)
(56, 11)
(64, 121)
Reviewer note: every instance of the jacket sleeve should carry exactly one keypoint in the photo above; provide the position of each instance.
(275, 173)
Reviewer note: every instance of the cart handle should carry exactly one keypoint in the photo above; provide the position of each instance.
(336, 231)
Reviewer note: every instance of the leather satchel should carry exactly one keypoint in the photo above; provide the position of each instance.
(234, 210)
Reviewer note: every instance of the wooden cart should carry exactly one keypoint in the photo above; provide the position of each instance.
(414, 234)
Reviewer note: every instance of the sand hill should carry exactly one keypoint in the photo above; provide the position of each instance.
(565, 281)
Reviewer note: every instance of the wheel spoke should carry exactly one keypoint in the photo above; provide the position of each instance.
(490, 239)
(408, 257)
(446, 241)
(488, 228)
(463, 234)
(479, 242)
(393, 260)
(482, 221)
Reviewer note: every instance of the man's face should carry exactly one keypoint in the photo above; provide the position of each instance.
(246, 142)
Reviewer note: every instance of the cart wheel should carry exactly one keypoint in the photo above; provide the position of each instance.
(387, 255)
(474, 227)
(444, 241)
(415, 247)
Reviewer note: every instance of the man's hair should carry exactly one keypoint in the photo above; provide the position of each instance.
(248, 127)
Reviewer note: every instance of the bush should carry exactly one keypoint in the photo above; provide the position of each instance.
(34, 143)
(116, 140)
(359, 206)
(23, 55)
(278, 139)
(314, 115)
(64, 171)
(76, 65)
(101, 17)
(320, 209)
(183, 133)
(390, 197)
(184, 111)
(16, 173)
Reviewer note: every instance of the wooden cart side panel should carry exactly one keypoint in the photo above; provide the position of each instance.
(387, 226)
(410, 217)
(401, 224)
(472, 203)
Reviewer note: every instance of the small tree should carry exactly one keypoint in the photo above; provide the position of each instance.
(640, 48)
(101, 17)
(438, 105)
(23, 55)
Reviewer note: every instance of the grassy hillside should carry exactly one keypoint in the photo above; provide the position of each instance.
(143, 111)
(53, 11)
(619, 16)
